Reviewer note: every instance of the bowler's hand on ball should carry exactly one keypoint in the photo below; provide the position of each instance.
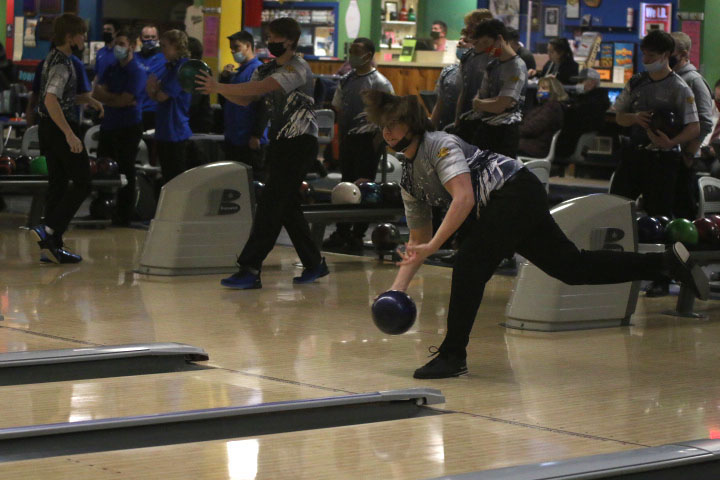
(660, 139)
(206, 83)
(643, 119)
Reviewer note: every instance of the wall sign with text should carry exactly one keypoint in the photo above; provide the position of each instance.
(655, 16)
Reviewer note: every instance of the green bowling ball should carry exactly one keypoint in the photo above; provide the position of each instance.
(681, 230)
(38, 166)
(188, 71)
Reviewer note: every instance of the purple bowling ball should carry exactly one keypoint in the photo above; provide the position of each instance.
(394, 312)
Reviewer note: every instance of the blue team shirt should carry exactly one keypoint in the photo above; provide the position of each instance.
(120, 79)
(239, 120)
(103, 59)
(152, 64)
(172, 120)
(83, 82)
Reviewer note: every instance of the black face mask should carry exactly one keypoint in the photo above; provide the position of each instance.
(77, 51)
(276, 48)
(148, 50)
(434, 35)
(107, 37)
(402, 144)
(672, 61)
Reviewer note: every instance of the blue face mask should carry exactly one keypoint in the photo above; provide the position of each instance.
(460, 51)
(120, 53)
(239, 57)
(543, 96)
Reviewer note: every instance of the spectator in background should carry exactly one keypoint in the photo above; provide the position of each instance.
(172, 123)
(201, 115)
(687, 183)
(447, 89)
(651, 161)
(562, 65)
(498, 103)
(438, 33)
(59, 130)
(119, 88)
(524, 53)
(245, 136)
(286, 83)
(83, 86)
(544, 120)
(680, 63)
(105, 56)
(585, 112)
(152, 59)
(361, 143)
(472, 72)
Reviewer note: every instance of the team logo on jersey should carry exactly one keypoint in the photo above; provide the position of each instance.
(515, 79)
(443, 152)
(691, 100)
(290, 68)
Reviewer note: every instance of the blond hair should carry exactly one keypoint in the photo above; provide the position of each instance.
(179, 40)
(557, 92)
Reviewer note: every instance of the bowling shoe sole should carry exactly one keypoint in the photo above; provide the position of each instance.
(44, 251)
(695, 275)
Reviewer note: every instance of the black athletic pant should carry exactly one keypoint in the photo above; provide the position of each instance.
(148, 120)
(288, 160)
(686, 193)
(359, 158)
(63, 198)
(517, 219)
(172, 157)
(502, 139)
(121, 145)
(654, 174)
(248, 156)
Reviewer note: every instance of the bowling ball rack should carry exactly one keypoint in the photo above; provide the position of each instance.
(320, 215)
(36, 186)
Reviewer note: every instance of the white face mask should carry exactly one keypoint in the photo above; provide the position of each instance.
(655, 66)
(580, 88)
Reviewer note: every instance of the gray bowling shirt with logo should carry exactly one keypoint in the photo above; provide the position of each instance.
(643, 94)
(290, 108)
(503, 79)
(703, 97)
(472, 72)
(58, 77)
(447, 90)
(440, 158)
(348, 100)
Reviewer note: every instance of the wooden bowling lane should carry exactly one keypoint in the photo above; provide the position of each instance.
(13, 339)
(652, 383)
(424, 447)
(71, 401)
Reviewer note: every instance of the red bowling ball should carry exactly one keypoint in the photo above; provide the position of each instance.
(7, 165)
(708, 232)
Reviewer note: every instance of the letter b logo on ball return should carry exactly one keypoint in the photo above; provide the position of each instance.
(227, 202)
